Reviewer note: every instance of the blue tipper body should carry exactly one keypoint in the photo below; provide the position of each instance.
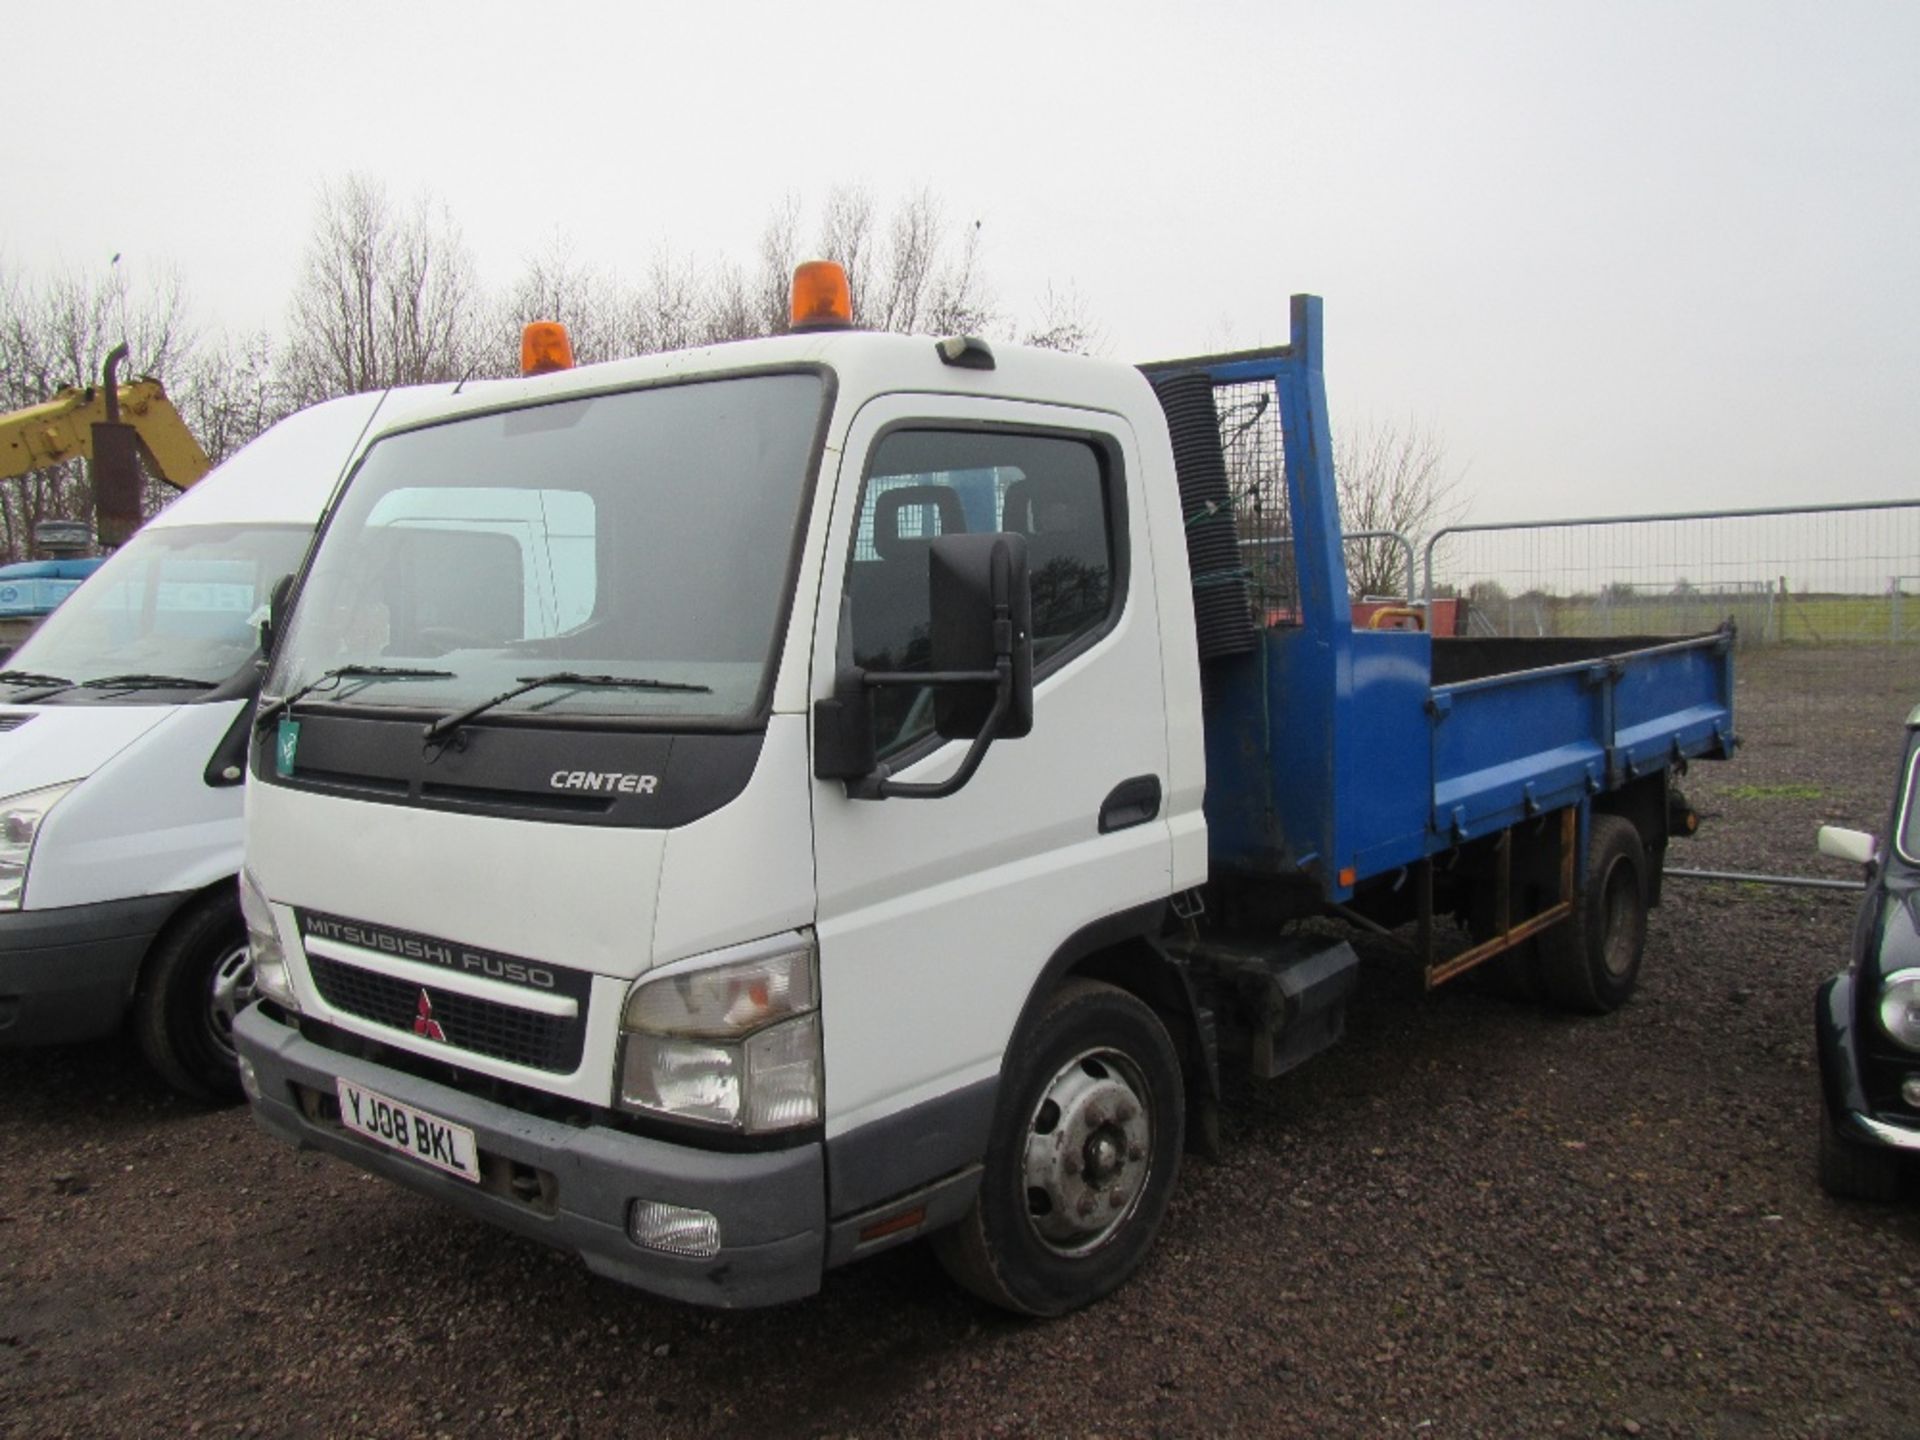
(1333, 754)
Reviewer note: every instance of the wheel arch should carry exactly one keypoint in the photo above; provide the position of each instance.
(192, 903)
(1122, 950)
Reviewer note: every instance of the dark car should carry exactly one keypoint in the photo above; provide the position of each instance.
(1868, 1017)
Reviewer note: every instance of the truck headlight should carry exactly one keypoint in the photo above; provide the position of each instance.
(1900, 1007)
(733, 1042)
(270, 976)
(20, 819)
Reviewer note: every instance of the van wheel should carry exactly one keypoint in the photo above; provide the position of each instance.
(1082, 1160)
(1590, 961)
(197, 979)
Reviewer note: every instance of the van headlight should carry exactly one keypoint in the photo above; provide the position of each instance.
(733, 1041)
(1900, 1007)
(269, 956)
(20, 819)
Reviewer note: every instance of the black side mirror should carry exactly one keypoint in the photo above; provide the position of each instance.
(981, 655)
(981, 606)
(276, 613)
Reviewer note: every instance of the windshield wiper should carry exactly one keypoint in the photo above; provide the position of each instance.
(32, 677)
(148, 682)
(568, 679)
(368, 673)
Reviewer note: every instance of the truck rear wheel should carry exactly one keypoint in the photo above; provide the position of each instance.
(1082, 1160)
(1590, 962)
(196, 980)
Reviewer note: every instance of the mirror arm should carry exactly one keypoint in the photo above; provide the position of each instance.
(878, 786)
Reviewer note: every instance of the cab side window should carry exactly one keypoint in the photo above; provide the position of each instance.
(922, 484)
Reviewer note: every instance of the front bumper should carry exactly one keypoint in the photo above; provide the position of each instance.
(771, 1204)
(1844, 1093)
(68, 974)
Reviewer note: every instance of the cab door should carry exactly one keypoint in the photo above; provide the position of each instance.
(936, 917)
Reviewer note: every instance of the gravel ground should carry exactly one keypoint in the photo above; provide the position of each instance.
(1473, 1218)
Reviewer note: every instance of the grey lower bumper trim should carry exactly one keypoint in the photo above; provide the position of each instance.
(68, 974)
(771, 1205)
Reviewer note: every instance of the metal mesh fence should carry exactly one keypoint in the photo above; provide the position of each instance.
(1820, 577)
(1825, 601)
(1255, 452)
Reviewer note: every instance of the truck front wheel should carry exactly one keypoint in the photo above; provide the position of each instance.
(196, 980)
(1590, 961)
(1082, 1160)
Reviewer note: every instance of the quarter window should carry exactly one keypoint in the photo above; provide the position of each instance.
(926, 483)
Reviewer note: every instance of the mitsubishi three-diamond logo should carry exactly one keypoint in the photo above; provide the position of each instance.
(424, 1023)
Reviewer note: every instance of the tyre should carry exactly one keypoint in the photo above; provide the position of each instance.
(1590, 961)
(197, 978)
(1082, 1160)
(1855, 1172)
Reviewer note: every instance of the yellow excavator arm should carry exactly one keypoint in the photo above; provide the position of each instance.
(62, 429)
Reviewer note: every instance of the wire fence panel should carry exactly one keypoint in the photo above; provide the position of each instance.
(1825, 601)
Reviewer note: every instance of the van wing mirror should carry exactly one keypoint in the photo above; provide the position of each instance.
(981, 657)
(276, 613)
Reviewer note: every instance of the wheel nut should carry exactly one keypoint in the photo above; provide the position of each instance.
(1086, 1206)
(1071, 1164)
(1116, 1198)
(1135, 1152)
(1123, 1114)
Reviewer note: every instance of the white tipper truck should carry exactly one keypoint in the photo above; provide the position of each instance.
(725, 813)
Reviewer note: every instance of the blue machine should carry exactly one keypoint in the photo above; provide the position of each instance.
(35, 588)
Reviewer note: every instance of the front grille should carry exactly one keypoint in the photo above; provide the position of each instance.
(481, 1027)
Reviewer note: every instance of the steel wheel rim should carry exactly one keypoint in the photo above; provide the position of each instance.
(1622, 901)
(229, 992)
(1089, 1152)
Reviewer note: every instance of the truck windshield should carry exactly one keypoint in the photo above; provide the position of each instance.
(646, 533)
(180, 602)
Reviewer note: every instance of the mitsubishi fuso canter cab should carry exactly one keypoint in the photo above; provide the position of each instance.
(725, 813)
(123, 730)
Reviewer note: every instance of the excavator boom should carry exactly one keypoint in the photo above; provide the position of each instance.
(62, 429)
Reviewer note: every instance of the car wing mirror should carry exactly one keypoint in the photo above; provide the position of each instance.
(1838, 843)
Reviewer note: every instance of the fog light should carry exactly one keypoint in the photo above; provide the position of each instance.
(674, 1229)
(1910, 1091)
(250, 1082)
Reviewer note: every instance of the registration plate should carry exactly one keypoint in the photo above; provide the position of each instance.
(440, 1143)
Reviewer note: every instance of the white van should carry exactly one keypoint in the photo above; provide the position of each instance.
(124, 724)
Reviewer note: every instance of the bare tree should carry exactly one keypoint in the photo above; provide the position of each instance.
(846, 235)
(385, 298)
(668, 311)
(1063, 324)
(558, 285)
(1392, 477)
(907, 266)
(734, 308)
(229, 390)
(779, 253)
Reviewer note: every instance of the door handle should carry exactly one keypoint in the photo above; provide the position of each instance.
(1131, 802)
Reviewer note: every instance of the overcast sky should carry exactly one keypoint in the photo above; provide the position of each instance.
(1617, 256)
